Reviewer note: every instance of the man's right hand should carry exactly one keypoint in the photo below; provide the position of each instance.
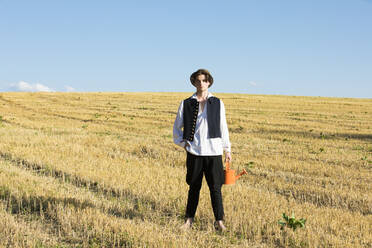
(186, 145)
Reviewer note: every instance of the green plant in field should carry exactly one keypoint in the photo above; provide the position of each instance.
(365, 158)
(248, 166)
(291, 222)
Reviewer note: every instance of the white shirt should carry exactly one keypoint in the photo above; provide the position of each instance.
(202, 145)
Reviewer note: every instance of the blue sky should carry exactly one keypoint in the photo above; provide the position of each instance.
(289, 47)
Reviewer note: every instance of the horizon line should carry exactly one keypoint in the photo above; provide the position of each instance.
(176, 92)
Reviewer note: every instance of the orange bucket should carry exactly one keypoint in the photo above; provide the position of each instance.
(230, 177)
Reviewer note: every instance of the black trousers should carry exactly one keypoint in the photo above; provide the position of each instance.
(212, 168)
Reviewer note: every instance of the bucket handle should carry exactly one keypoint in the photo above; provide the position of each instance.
(227, 165)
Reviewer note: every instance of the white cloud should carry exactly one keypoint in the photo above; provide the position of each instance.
(24, 86)
(69, 88)
(252, 83)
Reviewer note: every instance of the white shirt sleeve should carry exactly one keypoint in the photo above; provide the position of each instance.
(178, 128)
(226, 145)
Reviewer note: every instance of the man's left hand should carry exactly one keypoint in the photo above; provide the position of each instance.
(228, 157)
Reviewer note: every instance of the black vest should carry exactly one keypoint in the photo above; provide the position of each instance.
(190, 114)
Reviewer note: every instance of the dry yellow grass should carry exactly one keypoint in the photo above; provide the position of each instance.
(100, 169)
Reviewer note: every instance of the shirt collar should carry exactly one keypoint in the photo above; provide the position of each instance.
(209, 95)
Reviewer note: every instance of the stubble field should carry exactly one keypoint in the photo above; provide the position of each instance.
(101, 170)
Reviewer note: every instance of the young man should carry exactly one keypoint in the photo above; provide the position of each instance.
(201, 129)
